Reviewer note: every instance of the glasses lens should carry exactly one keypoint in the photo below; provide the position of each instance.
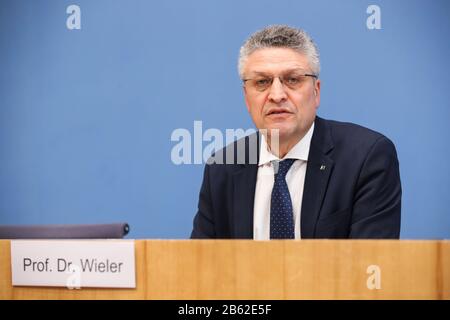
(261, 83)
(294, 80)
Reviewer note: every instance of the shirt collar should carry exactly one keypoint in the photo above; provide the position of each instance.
(300, 151)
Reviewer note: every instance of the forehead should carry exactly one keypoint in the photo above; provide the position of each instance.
(272, 60)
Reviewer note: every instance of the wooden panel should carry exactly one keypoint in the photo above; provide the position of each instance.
(215, 269)
(338, 269)
(246, 269)
(444, 259)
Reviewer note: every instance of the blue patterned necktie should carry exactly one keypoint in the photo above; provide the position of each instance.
(281, 213)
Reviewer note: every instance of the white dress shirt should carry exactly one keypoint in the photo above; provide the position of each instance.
(295, 179)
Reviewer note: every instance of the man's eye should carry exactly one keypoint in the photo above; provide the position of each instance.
(293, 80)
(262, 82)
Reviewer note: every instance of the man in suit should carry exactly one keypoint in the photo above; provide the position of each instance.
(312, 178)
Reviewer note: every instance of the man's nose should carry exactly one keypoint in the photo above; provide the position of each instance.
(277, 92)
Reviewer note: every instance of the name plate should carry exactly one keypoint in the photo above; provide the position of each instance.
(73, 263)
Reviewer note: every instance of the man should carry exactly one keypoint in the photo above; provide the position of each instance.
(319, 179)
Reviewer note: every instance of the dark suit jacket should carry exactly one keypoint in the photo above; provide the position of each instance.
(356, 195)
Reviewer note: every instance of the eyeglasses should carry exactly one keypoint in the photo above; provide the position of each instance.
(292, 80)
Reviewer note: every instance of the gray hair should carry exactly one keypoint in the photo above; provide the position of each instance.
(283, 37)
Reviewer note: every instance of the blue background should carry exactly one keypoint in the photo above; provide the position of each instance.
(86, 115)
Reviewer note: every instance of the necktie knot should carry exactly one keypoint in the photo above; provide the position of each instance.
(281, 168)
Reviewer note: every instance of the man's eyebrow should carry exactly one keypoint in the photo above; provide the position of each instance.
(264, 73)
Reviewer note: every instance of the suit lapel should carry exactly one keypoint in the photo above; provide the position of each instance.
(244, 185)
(318, 172)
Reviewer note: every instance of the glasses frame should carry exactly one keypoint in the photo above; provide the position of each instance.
(281, 80)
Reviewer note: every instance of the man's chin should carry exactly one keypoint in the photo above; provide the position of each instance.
(281, 132)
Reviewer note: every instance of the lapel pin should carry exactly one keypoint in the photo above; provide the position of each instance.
(322, 167)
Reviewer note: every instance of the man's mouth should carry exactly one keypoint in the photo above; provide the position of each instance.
(278, 112)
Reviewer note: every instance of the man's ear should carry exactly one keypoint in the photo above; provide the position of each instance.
(246, 99)
(317, 92)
